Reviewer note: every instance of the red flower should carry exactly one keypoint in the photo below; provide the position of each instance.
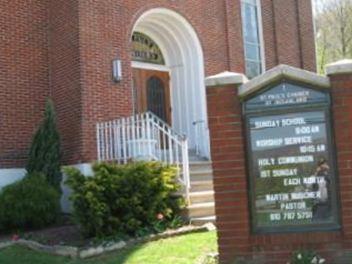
(15, 237)
(160, 216)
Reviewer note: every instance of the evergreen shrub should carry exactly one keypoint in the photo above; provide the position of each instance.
(44, 155)
(28, 203)
(124, 199)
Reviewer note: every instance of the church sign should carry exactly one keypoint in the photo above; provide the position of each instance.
(144, 49)
(291, 160)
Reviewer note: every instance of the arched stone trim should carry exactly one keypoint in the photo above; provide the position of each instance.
(184, 57)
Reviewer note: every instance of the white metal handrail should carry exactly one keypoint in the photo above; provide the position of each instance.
(143, 137)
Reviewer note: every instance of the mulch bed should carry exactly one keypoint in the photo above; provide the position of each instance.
(66, 240)
(63, 233)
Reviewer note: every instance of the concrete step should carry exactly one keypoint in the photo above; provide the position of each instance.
(201, 175)
(196, 159)
(201, 197)
(200, 165)
(199, 221)
(202, 185)
(201, 210)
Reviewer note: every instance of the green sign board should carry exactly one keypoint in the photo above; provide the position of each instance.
(290, 159)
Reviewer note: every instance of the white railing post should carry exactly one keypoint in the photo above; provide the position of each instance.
(106, 140)
(134, 130)
(185, 168)
(119, 144)
(98, 143)
(149, 138)
(111, 145)
(124, 148)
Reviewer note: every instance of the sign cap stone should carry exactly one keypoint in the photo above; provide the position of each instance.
(225, 78)
(339, 67)
(283, 72)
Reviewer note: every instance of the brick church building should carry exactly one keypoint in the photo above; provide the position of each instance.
(65, 50)
(107, 63)
(167, 80)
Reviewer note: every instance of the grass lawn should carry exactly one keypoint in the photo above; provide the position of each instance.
(184, 249)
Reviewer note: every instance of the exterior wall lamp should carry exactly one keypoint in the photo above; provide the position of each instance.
(117, 70)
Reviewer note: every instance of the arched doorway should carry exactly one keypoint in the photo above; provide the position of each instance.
(175, 57)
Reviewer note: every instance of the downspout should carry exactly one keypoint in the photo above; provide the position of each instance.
(299, 32)
(274, 33)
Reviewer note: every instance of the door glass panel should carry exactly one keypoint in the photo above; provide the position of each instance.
(156, 97)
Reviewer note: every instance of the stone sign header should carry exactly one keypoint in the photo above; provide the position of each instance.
(286, 94)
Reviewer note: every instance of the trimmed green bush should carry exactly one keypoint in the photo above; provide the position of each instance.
(124, 199)
(28, 203)
(44, 155)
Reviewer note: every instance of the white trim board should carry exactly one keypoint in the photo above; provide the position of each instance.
(149, 66)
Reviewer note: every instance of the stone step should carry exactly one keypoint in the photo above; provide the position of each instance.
(201, 210)
(201, 197)
(202, 185)
(199, 221)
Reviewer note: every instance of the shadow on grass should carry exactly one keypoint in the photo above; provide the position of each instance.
(121, 257)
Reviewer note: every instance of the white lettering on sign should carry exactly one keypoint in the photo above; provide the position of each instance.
(277, 197)
(267, 124)
(293, 121)
(298, 140)
(293, 206)
(321, 148)
(269, 142)
(289, 215)
(284, 172)
(304, 215)
(275, 217)
(307, 149)
(305, 195)
(265, 174)
(266, 162)
(292, 181)
(307, 130)
(296, 159)
(313, 180)
(285, 98)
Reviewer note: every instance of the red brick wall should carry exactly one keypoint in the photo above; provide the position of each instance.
(289, 33)
(66, 48)
(342, 113)
(103, 39)
(231, 192)
(65, 75)
(306, 31)
(230, 183)
(24, 76)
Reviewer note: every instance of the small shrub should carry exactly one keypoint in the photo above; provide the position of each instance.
(124, 199)
(44, 155)
(28, 203)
